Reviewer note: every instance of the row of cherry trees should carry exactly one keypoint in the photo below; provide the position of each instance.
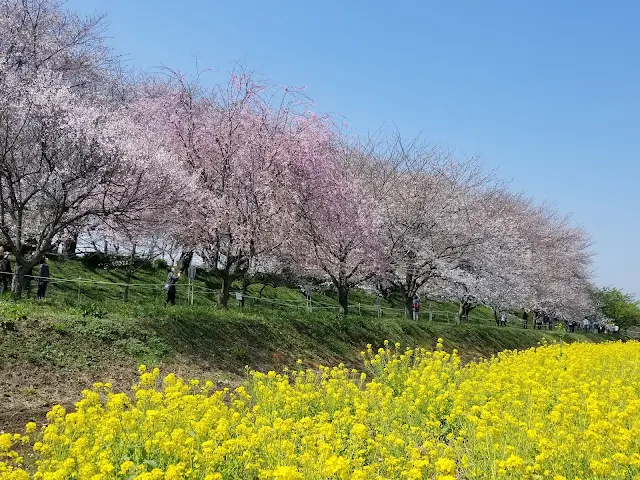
(245, 175)
(449, 229)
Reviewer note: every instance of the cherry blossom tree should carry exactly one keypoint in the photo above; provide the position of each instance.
(452, 230)
(425, 197)
(531, 259)
(237, 141)
(560, 274)
(338, 226)
(68, 152)
(491, 272)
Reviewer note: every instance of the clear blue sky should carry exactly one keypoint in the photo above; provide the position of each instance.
(545, 91)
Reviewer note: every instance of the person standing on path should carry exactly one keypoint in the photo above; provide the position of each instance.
(170, 286)
(43, 278)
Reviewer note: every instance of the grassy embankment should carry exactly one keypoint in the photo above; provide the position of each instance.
(84, 332)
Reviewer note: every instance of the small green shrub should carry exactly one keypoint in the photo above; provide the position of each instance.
(94, 310)
(11, 314)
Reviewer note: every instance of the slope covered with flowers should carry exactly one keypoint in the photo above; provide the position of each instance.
(557, 411)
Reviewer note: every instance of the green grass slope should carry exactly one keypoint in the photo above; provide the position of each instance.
(74, 285)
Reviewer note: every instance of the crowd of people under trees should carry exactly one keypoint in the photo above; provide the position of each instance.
(542, 321)
(245, 175)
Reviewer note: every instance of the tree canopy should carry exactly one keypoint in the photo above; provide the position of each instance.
(620, 307)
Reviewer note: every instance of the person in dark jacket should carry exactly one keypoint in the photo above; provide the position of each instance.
(28, 279)
(5, 271)
(170, 286)
(43, 278)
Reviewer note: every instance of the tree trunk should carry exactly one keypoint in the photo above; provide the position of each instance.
(460, 313)
(17, 282)
(343, 299)
(408, 305)
(409, 289)
(495, 316)
(24, 266)
(21, 269)
(185, 261)
(467, 310)
(227, 280)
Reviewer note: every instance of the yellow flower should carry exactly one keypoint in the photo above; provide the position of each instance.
(125, 467)
(286, 473)
(445, 465)
(410, 414)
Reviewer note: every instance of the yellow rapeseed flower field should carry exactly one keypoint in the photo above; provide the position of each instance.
(552, 412)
